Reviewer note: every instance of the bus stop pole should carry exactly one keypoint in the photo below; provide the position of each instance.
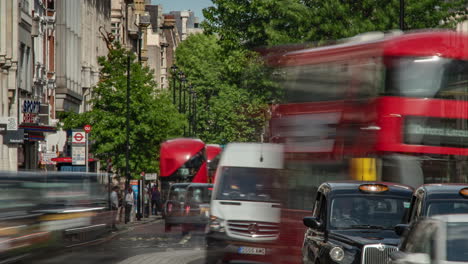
(86, 152)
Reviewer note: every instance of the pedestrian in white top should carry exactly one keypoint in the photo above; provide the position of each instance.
(129, 201)
(114, 198)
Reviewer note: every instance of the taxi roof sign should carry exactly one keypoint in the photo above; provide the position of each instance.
(373, 188)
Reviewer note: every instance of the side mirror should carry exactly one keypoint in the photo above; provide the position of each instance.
(311, 222)
(400, 229)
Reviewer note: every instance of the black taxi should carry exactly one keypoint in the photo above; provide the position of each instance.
(438, 199)
(354, 221)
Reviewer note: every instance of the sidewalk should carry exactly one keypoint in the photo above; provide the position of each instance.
(121, 227)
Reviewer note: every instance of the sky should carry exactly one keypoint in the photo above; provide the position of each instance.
(178, 5)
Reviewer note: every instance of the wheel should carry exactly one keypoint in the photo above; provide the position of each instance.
(167, 228)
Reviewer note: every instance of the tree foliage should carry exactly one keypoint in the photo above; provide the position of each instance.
(232, 89)
(254, 23)
(153, 118)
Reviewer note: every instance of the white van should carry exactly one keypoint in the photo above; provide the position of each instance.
(245, 207)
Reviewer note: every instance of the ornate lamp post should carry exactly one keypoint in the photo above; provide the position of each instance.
(174, 76)
(182, 79)
(195, 112)
(190, 109)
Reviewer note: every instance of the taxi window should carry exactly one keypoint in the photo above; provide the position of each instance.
(348, 212)
(447, 207)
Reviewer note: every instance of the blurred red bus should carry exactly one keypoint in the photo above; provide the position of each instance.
(213, 153)
(391, 108)
(182, 160)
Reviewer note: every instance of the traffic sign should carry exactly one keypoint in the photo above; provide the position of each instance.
(87, 128)
(78, 138)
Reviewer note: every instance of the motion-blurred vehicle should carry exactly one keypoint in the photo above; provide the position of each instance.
(436, 199)
(174, 205)
(387, 107)
(197, 206)
(353, 222)
(438, 239)
(74, 206)
(50, 210)
(245, 208)
(20, 229)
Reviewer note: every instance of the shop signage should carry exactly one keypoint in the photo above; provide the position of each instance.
(31, 110)
(78, 155)
(151, 176)
(11, 122)
(47, 158)
(14, 137)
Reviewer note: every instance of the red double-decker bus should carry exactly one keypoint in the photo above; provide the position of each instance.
(392, 108)
(213, 154)
(182, 160)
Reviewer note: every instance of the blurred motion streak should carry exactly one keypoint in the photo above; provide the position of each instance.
(386, 107)
(48, 211)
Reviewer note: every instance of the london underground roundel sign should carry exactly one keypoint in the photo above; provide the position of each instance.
(78, 138)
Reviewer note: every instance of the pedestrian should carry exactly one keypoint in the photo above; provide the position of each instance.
(147, 199)
(155, 200)
(114, 205)
(129, 201)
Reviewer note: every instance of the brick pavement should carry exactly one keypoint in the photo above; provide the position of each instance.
(167, 257)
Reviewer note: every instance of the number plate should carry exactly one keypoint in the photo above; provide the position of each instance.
(252, 251)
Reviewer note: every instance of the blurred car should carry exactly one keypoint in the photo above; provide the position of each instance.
(20, 230)
(353, 222)
(436, 199)
(174, 205)
(197, 205)
(438, 239)
(245, 208)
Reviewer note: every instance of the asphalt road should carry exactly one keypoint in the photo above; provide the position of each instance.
(140, 244)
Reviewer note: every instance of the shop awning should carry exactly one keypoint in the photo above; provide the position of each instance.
(37, 128)
(67, 160)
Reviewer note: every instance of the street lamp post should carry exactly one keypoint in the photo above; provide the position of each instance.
(195, 112)
(174, 76)
(190, 109)
(181, 80)
(127, 125)
(402, 14)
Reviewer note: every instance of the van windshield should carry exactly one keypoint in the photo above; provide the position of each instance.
(249, 184)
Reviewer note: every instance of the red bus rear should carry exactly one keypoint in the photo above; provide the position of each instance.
(392, 109)
(183, 160)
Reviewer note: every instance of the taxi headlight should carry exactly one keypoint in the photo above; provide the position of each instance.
(337, 254)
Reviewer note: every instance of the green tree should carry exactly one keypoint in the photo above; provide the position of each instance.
(232, 88)
(153, 118)
(254, 23)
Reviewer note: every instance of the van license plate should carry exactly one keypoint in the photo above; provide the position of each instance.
(252, 251)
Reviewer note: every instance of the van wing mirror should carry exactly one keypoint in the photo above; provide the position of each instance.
(400, 229)
(311, 222)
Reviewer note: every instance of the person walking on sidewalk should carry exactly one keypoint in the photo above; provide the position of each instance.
(114, 206)
(155, 200)
(129, 201)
